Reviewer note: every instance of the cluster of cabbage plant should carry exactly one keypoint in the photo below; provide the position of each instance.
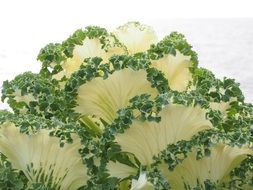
(122, 110)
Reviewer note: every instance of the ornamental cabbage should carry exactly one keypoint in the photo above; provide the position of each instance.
(123, 110)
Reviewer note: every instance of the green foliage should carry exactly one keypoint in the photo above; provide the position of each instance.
(170, 45)
(10, 179)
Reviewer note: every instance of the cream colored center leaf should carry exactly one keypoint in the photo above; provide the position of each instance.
(142, 183)
(103, 98)
(147, 139)
(176, 70)
(41, 158)
(119, 170)
(136, 37)
(216, 167)
(90, 48)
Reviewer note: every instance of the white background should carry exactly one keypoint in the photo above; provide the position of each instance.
(28, 25)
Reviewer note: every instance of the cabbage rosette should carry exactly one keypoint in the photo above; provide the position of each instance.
(124, 110)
